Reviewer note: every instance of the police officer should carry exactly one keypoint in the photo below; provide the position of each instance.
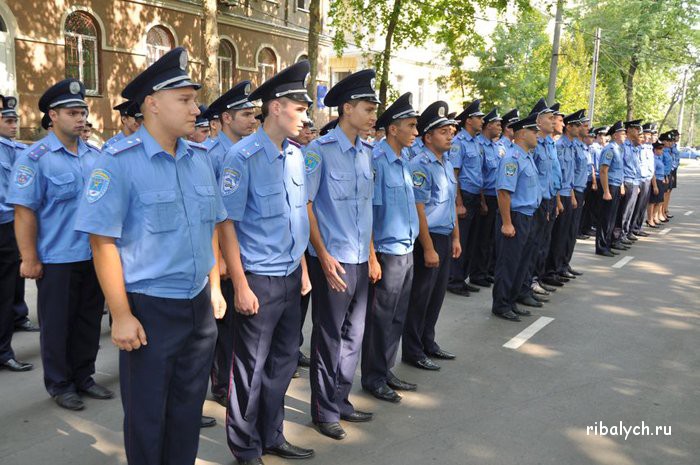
(492, 152)
(237, 117)
(632, 178)
(264, 190)
(339, 177)
(612, 187)
(519, 195)
(131, 119)
(9, 255)
(466, 157)
(582, 174)
(591, 190)
(395, 229)
(668, 139)
(435, 190)
(46, 181)
(154, 191)
(646, 167)
(201, 128)
(506, 131)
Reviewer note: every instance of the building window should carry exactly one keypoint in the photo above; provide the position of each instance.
(158, 42)
(302, 57)
(227, 65)
(82, 50)
(303, 5)
(267, 64)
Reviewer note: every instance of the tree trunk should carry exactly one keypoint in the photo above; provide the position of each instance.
(210, 68)
(386, 54)
(314, 33)
(629, 86)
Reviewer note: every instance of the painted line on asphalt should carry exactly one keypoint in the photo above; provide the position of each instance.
(528, 332)
(623, 261)
(665, 231)
(688, 213)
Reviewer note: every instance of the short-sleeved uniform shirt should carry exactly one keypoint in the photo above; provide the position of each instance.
(517, 174)
(435, 186)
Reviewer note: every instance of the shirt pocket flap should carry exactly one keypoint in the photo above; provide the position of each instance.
(341, 175)
(6, 165)
(395, 181)
(150, 198)
(269, 189)
(205, 190)
(62, 179)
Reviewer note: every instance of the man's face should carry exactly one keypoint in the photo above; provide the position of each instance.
(175, 109)
(620, 137)
(200, 134)
(405, 131)
(530, 138)
(439, 139)
(240, 122)
(362, 116)
(633, 134)
(475, 123)
(585, 127)
(8, 127)
(508, 132)
(558, 125)
(291, 115)
(69, 122)
(86, 133)
(131, 124)
(546, 123)
(647, 137)
(492, 130)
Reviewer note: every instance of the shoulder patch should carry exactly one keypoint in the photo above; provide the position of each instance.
(418, 178)
(609, 155)
(230, 181)
(123, 144)
(38, 151)
(312, 161)
(25, 176)
(98, 185)
(511, 169)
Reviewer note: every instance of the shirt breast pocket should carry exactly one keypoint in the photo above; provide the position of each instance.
(6, 166)
(442, 192)
(63, 186)
(530, 175)
(396, 190)
(206, 198)
(160, 210)
(271, 199)
(340, 185)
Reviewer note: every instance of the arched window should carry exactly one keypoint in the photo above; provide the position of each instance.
(158, 42)
(267, 64)
(82, 48)
(227, 65)
(302, 57)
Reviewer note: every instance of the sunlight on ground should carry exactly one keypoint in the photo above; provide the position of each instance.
(538, 351)
(617, 310)
(600, 449)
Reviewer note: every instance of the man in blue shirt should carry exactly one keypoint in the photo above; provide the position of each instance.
(47, 179)
(632, 178)
(506, 139)
(339, 183)
(131, 119)
(154, 191)
(646, 166)
(263, 187)
(583, 174)
(611, 188)
(466, 157)
(668, 139)
(395, 228)
(591, 193)
(435, 190)
(519, 195)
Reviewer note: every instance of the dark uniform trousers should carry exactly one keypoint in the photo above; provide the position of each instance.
(264, 360)
(427, 294)
(484, 242)
(336, 339)
(542, 247)
(575, 227)
(9, 270)
(640, 209)
(589, 214)
(459, 267)
(512, 261)
(304, 305)
(163, 384)
(223, 350)
(386, 315)
(539, 227)
(70, 305)
(19, 305)
(556, 260)
(626, 211)
(608, 214)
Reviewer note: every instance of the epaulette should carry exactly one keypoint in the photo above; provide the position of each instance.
(327, 139)
(37, 151)
(197, 145)
(93, 147)
(20, 145)
(294, 143)
(7, 142)
(248, 150)
(378, 152)
(123, 144)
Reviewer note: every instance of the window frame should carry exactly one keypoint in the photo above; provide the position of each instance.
(80, 39)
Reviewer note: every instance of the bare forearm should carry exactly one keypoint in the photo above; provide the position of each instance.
(315, 232)
(214, 276)
(26, 233)
(504, 206)
(423, 230)
(108, 266)
(604, 179)
(231, 251)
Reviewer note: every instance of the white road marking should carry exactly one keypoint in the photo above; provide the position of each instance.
(665, 231)
(688, 213)
(527, 333)
(623, 261)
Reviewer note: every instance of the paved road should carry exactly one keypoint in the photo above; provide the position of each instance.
(623, 346)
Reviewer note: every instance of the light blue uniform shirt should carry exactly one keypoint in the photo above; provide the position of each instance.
(48, 179)
(595, 150)
(632, 171)
(676, 154)
(544, 156)
(466, 156)
(582, 169)
(659, 168)
(567, 162)
(416, 148)
(264, 192)
(668, 160)
(114, 139)
(339, 183)
(160, 209)
(8, 151)
(491, 153)
(517, 174)
(217, 149)
(646, 162)
(611, 156)
(435, 186)
(507, 143)
(395, 221)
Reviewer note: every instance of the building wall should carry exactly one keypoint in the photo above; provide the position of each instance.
(39, 46)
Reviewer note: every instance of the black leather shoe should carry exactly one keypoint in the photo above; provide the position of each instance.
(521, 312)
(483, 282)
(207, 422)
(614, 253)
(582, 237)
(426, 364)
(669, 216)
(605, 253)
(257, 461)
(332, 430)
(561, 279)
(304, 361)
(463, 291)
(626, 242)
(618, 247)
(641, 234)
(14, 365)
(632, 237)
(289, 451)
(70, 401)
(529, 301)
(443, 355)
(472, 288)
(97, 392)
(27, 326)
(567, 275)
(550, 281)
(491, 278)
(574, 272)
(384, 392)
(221, 400)
(399, 385)
(357, 417)
(547, 287)
(540, 298)
(510, 316)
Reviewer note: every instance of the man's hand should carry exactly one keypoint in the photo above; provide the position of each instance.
(574, 203)
(31, 270)
(333, 269)
(656, 191)
(560, 207)
(246, 302)
(607, 196)
(305, 283)
(461, 211)
(508, 230)
(431, 258)
(218, 303)
(594, 186)
(375, 270)
(484, 209)
(127, 333)
(456, 248)
(622, 190)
